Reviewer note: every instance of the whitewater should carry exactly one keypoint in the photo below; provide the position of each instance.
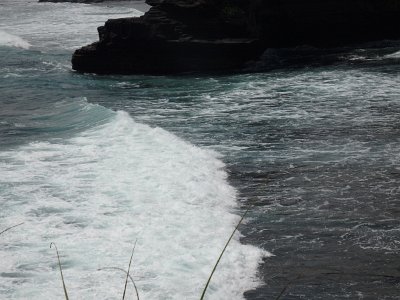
(97, 193)
(95, 182)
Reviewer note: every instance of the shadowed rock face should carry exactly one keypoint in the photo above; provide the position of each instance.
(177, 36)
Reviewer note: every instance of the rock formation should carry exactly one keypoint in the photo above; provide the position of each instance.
(177, 36)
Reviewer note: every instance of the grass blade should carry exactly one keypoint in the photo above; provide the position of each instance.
(222, 253)
(286, 287)
(283, 291)
(7, 229)
(127, 274)
(62, 276)
(130, 277)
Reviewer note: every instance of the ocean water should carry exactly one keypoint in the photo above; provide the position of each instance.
(99, 163)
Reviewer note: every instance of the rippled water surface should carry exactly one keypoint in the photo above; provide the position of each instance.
(95, 163)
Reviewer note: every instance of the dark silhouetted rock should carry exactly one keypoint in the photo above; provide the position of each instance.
(177, 36)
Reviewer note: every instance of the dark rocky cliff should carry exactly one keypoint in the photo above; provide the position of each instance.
(206, 35)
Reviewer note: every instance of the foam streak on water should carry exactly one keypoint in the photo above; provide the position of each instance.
(96, 193)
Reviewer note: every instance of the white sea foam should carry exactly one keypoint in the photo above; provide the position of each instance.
(393, 55)
(96, 193)
(10, 40)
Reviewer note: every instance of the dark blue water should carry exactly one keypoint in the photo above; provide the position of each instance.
(312, 145)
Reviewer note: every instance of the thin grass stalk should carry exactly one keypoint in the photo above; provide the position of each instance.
(7, 229)
(283, 291)
(127, 274)
(222, 253)
(286, 287)
(130, 277)
(61, 272)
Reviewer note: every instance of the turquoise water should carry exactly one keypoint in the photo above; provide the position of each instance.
(95, 163)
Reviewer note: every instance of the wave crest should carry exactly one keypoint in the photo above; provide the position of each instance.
(395, 55)
(114, 183)
(10, 40)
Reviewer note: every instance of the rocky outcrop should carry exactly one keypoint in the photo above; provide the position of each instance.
(177, 36)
